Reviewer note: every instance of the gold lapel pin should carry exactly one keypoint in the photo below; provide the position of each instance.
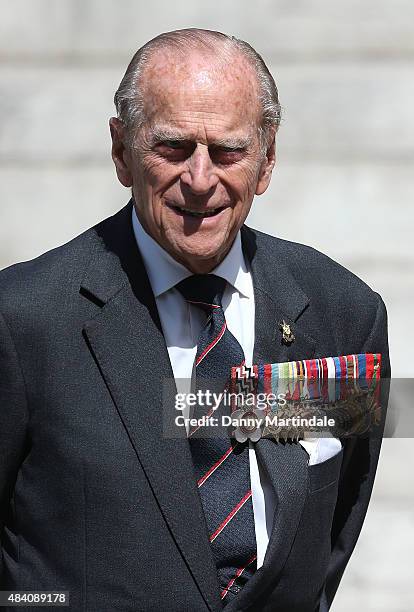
(287, 334)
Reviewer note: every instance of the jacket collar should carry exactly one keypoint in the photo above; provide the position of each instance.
(117, 262)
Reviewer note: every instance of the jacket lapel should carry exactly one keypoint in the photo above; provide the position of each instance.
(277, 297)
(126, 340)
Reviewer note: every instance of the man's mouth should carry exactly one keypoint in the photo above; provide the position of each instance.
(200, 214)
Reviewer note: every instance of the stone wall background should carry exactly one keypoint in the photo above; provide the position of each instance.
(343, 183)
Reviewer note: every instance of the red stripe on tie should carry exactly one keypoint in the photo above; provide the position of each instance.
(214, 467)
(236, 575)
(230, 516)
(197, 427)
(211, 345)
(204, 303)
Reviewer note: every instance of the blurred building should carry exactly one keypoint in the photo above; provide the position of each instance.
(343, 183)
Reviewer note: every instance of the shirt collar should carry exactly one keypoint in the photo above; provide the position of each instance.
(165, 272)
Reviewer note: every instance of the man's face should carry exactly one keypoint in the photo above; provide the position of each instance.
(196, 164)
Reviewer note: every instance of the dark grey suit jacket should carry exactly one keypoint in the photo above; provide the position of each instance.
(93, 498)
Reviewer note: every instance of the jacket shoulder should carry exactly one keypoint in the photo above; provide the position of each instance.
(324, 280)
(48, 277)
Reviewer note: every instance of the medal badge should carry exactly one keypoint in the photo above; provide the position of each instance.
(287, 335)
(334, 396)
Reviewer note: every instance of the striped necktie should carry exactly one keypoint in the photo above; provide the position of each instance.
(221, 464)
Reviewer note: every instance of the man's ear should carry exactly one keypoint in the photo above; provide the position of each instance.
(120, 154)
(268, 163)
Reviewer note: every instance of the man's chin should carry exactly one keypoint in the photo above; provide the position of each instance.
(198, 260)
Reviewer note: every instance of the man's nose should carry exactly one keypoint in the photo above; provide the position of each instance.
(200, 175)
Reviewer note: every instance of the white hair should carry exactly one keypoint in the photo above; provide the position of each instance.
(129, 99)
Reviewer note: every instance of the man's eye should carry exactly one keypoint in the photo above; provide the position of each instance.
(227, 154)
(230, 149)
(174, 150)
(173, 144)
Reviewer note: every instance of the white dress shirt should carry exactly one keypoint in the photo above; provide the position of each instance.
(181, 324)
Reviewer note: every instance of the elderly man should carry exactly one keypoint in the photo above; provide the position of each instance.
(95, 499)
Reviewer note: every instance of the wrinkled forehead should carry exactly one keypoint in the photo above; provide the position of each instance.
(211, 88)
